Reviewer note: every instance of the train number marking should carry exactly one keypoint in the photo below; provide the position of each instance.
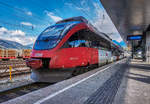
(38, 54)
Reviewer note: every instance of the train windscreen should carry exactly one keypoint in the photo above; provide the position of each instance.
(51, 36)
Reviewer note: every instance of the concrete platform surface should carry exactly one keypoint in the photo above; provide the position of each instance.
(135, 87)
(93, 87)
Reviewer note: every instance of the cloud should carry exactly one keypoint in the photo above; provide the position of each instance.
(83, 9)
(26, 23)
(83, 2)
(68, 4)
(29, 13)
(4, 31)
(83, 6)
(16, 35)
(101, 20)
(104, 24)
(53, 16)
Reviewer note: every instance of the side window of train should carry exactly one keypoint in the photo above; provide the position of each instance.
(78, 43)
(95, 44)
(75, 43)
(66, 45)
(71, 44)
(77, 40)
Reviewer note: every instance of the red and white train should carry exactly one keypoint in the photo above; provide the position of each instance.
(62, 49)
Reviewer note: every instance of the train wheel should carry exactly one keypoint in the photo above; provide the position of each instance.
(75, 73)
(86, 69)
(107, 62)
(79, 70)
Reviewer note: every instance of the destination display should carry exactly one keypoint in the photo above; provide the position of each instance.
(134, 37)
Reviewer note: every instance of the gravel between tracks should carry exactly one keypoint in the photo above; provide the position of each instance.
(17, 80)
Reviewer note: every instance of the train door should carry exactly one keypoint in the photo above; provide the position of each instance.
(101, 57)
(78, 52)
(73, 56)
(104, 55)
(93, 54)
(108, 55)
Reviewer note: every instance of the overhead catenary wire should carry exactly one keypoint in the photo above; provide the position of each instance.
(74, 3)
(18, 25)
(46, 9)
(20, 10)
(3, 22)
(24, 18)
(13, 25)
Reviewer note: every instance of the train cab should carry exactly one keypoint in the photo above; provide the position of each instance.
(68, 44)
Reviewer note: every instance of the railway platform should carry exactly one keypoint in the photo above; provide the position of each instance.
(122, 82)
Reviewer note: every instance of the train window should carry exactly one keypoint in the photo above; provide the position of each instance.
(78, 43)
(49, 38)
(95, 44)
(53, 31)
(78, 39)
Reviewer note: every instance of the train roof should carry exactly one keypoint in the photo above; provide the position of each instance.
(82, 19)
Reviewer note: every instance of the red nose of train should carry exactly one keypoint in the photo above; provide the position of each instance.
(34, 63)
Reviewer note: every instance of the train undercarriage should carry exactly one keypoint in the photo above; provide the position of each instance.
(48, 75)
(57, 75)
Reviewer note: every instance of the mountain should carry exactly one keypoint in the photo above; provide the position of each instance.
(29, 46)
(6, 44)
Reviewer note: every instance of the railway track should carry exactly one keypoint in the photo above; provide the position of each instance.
(25, 89)
(21, 90)
(18, 67)
(12, 62)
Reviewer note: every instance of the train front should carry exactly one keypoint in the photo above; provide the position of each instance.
(44, 52)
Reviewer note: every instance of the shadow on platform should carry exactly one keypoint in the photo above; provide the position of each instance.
(140, 67)
(140, 77)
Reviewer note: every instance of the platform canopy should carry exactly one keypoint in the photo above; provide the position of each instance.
(131, 17)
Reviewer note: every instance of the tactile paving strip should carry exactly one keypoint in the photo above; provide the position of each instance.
(106, 93)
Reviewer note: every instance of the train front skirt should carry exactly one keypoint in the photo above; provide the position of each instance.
(51, 75)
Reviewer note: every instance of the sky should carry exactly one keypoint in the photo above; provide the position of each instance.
(23, 20)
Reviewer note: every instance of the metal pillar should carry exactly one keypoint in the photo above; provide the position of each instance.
(132, 48)
(147, 47)
(144, 46)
